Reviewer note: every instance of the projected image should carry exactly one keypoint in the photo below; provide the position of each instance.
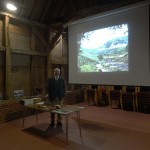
(104, 50)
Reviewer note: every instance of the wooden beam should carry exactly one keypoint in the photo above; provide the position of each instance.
(46, 8)
(38, 35)
(7, 94)
(28, 52)
(24, 20)
(33, 7)
(55, 38)
(58, 62)
(35, 33)
(32, 41)
(59, 9)
(32, 72)
(95, 9)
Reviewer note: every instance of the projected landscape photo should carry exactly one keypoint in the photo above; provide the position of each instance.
(103, 50)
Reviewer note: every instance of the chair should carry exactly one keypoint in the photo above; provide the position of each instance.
(102, 98)
(99, 97)
(91, 96)
(143, 101)
(131, 89)
(128, 100)
(115, 98)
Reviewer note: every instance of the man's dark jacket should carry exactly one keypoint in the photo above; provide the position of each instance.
(56, 88)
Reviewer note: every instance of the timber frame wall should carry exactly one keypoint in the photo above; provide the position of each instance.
(27, 55)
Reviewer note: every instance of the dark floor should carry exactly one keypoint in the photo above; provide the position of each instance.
(103, 128)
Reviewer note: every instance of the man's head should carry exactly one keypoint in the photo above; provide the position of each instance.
(56, 71)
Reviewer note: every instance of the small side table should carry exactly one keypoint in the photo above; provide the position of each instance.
(66, 111)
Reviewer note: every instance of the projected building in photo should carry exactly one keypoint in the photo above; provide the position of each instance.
(104, 50)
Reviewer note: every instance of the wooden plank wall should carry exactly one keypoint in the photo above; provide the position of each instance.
(28, 55)
(20, 73)
(22, 58)
(1, 62)
(2, 75)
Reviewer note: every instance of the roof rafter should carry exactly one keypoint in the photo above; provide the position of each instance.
(45, 10)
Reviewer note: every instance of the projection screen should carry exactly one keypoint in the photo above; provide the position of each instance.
(111, 48)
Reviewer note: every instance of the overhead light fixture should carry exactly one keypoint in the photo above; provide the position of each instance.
(11, 7)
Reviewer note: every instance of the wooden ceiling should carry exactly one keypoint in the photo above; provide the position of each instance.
(57, 12)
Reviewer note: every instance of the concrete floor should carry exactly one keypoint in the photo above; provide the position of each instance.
(103, 128)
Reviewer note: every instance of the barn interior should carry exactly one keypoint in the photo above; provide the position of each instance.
(33, 42)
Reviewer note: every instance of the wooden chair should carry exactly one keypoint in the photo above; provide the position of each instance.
(99, 97)
(131, 89)
(128, 100)
(115, 98)
(143, 101)
(91, 97)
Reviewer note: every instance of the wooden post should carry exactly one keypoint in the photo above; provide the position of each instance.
(49, 67)
(7, 59)
(48, 62)
(32, 39)
(32, 64)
